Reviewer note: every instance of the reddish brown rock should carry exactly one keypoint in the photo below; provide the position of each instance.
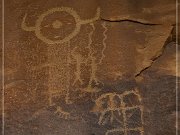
(73, 67)
(150, 12)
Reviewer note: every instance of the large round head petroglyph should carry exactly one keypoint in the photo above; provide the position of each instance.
(58, 25)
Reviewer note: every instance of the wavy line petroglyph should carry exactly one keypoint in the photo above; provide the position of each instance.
(58, 24)
(90, 42)
(104, 42)
(112, 106)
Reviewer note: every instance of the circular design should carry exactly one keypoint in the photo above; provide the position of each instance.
(57, 24)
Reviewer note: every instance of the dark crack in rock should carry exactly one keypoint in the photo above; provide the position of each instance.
(148, 12)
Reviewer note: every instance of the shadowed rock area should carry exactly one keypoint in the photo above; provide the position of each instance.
(90, 67)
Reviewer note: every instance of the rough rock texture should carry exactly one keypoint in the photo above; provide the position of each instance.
(149, 11)
(90, 67)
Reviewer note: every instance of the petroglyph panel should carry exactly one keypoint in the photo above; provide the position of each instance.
(72, 68)
(60, 59)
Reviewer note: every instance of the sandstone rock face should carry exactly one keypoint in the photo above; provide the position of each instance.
(149, 11)
(94, 67)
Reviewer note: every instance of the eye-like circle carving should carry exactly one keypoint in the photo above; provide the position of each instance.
(59, 24)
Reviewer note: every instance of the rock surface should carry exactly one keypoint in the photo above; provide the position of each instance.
(90, 67)
(149, 11)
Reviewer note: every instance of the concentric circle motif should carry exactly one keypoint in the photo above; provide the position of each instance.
(57, 24)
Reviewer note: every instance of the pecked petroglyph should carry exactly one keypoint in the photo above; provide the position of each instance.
(78, 78)
(90, 51)
(93, 77)
(110, 103)
(104, 42)
(67, 98)
(63, 54)
(60, 75)
(122, 131)
(62, 113)
(79, 60)
(57, 24)
(93, 63)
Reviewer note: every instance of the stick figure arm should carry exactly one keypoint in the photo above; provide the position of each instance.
(96, 17)
(24, 26)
